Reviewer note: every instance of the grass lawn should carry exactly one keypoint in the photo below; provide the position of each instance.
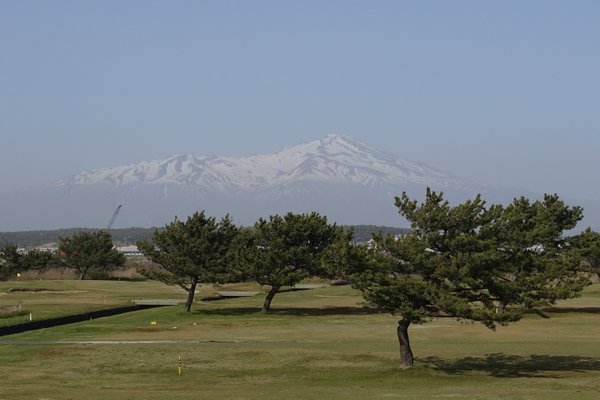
(313, 345)
(48, 299)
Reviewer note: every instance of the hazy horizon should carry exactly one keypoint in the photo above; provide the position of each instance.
(503, 93)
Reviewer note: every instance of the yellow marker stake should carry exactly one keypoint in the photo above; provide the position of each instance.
(179, 368)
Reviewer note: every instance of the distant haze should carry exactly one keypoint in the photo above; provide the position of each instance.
(338, 176)
(502, 92)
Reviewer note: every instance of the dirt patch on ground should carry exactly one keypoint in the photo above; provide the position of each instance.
(51, 353)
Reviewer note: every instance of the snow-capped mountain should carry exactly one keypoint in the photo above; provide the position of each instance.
(338, 176)
(333, 159)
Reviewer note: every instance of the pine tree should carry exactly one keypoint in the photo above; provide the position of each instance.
(472, 262)
(86, 250)
(284, 250)
(195, 251)
(11, 261)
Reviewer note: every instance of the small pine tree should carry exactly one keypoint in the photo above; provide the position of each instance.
(281, 251)
(197, 250)
(86, 250)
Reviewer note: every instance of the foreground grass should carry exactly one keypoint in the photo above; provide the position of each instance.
(315, 344)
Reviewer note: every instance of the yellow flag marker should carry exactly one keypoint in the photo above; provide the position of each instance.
(152, 322)
(18, 274)
(179, 367)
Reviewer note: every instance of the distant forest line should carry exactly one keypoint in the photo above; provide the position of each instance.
(129, 236)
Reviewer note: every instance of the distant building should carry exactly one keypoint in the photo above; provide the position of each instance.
(129, 250)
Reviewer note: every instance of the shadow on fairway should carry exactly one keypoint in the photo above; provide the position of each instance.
(509, 366)
(300, 311)
(562, 310)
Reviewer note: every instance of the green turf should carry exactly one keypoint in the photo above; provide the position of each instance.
(71, 297)
(317, 344)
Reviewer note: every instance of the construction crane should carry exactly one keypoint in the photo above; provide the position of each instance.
(114, 217)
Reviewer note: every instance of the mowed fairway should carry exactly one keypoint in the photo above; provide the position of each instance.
(314, 344)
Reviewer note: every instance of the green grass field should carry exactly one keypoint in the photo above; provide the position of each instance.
(313, 345)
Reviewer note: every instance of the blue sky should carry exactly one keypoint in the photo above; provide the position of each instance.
(506, 92)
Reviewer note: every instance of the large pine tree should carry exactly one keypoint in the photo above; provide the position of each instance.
(487, 264)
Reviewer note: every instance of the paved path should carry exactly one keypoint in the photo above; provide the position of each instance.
(27, 342)
(92, 342)
(35, 342)
(158, 302)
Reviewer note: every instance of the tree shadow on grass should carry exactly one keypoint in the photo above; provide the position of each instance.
(296, 311)
(564, 310)
(511, 366)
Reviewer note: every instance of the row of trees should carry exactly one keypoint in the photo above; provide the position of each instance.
(13, 261)
(31, 239)
(277, 252)
(491, 264)
(83, 251)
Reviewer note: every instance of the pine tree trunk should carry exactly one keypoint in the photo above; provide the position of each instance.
(499, 307)
(270, 295)
(406, 355)
(191, 292)
(82, 275)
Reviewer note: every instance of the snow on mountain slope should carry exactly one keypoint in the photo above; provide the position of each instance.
(337, 176)
(335, 158)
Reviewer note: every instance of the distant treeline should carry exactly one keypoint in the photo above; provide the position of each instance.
(129, 236)
(29, 239)
(362, 233)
